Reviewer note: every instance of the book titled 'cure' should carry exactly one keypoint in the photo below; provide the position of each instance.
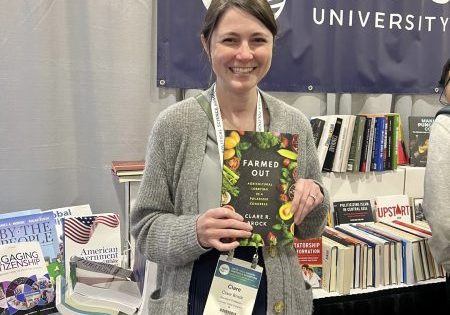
(258, 177)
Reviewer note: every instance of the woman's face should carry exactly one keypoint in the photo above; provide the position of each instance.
(240, 51)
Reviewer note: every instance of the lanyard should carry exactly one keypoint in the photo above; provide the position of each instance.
(218, 123)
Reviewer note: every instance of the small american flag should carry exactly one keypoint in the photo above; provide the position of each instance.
(80, 229)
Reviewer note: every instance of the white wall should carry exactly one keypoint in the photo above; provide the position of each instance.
(78, 89)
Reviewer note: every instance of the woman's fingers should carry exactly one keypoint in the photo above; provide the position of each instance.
(220, 227)
(307, 196)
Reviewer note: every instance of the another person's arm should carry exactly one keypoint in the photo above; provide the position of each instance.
(436, 205)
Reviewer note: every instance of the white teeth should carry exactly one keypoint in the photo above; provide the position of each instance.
(242, 69)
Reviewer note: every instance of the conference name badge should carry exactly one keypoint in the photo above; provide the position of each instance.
(234, 287)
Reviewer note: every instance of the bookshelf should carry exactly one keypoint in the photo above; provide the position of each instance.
(392, 299)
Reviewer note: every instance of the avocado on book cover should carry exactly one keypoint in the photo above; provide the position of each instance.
(25, 286)
(259, 173)
(35, 227)
(352, 211)
(419, 134)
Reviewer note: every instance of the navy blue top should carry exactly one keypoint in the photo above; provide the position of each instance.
(203, 273)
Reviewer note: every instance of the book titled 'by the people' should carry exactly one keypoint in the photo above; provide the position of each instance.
(258, 177)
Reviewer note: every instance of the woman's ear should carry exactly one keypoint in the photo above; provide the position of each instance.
(205, 46)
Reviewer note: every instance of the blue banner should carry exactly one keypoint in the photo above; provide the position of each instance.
(352, 46)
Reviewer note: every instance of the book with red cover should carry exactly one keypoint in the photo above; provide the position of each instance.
(309, 254)
(117, 166)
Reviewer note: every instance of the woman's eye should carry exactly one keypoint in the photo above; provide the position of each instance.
(260, 40)
(229, 40)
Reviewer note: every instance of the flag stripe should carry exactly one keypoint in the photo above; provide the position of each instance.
(80, 229)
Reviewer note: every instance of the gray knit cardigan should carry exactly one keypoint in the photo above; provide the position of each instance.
(163, 219)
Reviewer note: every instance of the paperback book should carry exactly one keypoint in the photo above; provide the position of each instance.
(259, 173)
(352, 211)
(309, 254)
(106, 284)
(392, 207)
(419, 134)
(35, 227)
(25, 286)
(96, 238)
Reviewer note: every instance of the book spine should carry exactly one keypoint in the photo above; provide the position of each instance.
(352, 153)
(328, 163)
(365, 145)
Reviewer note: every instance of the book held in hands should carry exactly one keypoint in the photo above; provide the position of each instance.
(258, 177)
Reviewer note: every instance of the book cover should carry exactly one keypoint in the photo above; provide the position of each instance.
(325, 139)
(16, 214)
(352, 211)
(329, 266)
(60, 213)
(417, 210)
(96, 238)
(258, 178)
(392, 207)
(329, 158)
(317, 126)
(402, 155)
(106, 284)
(360, 256)
(25, 286)
(35, 227)
(419, 134)
(356, 143)
(309, 254)
(365, 145)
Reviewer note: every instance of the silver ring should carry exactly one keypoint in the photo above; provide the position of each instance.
(313, 197)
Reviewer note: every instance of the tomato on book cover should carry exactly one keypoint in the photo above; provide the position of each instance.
(258, 177)
(309, 254)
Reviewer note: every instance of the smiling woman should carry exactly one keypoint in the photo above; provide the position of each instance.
(178, 220)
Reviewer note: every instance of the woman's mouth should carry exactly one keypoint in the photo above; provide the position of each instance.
(242, 70)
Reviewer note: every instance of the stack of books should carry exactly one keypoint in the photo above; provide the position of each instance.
(128, 171)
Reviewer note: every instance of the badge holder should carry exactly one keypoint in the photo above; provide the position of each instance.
(234, 286)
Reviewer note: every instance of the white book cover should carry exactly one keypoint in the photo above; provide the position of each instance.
(60, 213)
(392, 207)
(97, 238)
(325, 138)
(25, 286)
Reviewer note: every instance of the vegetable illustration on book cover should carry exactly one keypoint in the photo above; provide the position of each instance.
(259, 173)
(309, 254)
(35, 227)
(25, 286)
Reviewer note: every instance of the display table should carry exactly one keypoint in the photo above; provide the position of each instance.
(428, 297)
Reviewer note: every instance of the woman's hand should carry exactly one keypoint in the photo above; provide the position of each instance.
(216, 227)
(307, 196)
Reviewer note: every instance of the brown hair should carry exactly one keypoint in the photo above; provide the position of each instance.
(445, 75)
(257, 8)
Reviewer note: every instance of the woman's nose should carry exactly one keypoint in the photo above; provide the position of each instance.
(245, 51)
